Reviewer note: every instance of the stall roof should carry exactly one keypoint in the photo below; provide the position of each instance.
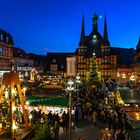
(48, 101)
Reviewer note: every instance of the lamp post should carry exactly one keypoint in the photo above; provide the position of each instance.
(70, 88)
(78, 82)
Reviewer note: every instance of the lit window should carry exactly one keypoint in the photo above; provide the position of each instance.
(105, 73)
(53, 67)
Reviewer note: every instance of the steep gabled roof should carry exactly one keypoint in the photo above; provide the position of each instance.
(59, 59)
(20, 53)
(6, 37)
(124, 56)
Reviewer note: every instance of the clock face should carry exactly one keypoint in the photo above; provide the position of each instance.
(94, 37)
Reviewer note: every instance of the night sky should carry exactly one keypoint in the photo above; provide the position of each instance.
(41, 26)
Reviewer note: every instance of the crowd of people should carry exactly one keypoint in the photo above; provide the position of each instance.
(100, 109)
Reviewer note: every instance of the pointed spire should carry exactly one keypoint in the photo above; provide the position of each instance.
(82, 29)
(95, 22)
(138, 45)
(105, 37)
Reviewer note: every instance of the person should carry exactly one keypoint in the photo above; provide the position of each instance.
(56, 130)
(121, 135)
(106, 133)
(81, 138)
(94, 117)
(42, 120)
(76, 116)
(102, 118)
(65, 121)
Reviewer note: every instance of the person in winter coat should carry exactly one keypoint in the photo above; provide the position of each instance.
(56, 130)
(94, 117)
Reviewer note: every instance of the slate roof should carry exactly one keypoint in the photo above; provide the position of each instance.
(124, 56)
(59, 59)
(20, 53)
(6, 37)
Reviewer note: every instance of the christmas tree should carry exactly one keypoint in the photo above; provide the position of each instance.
(43, 132)
(94, 78)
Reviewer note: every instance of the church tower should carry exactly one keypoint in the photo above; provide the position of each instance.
(82, 52)
(105, 53)
(95, 23)
(105, 35)
(82, 38)
(94, 42)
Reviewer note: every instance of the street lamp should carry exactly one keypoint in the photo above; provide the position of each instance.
(30, 118)
(70, 88)
(78, 82)
(27, 104)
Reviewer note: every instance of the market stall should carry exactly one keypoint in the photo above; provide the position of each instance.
(54, 104)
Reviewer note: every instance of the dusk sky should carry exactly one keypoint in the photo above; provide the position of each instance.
(41, 26)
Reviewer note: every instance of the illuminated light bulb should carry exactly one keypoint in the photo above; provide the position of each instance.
(24, 90)
(14, 127)
(30, 116)
(27, 103)
(6, 94)
(13, 108)
(13, 92)
(123, 75)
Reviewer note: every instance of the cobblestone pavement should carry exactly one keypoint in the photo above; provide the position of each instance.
(85, 130)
